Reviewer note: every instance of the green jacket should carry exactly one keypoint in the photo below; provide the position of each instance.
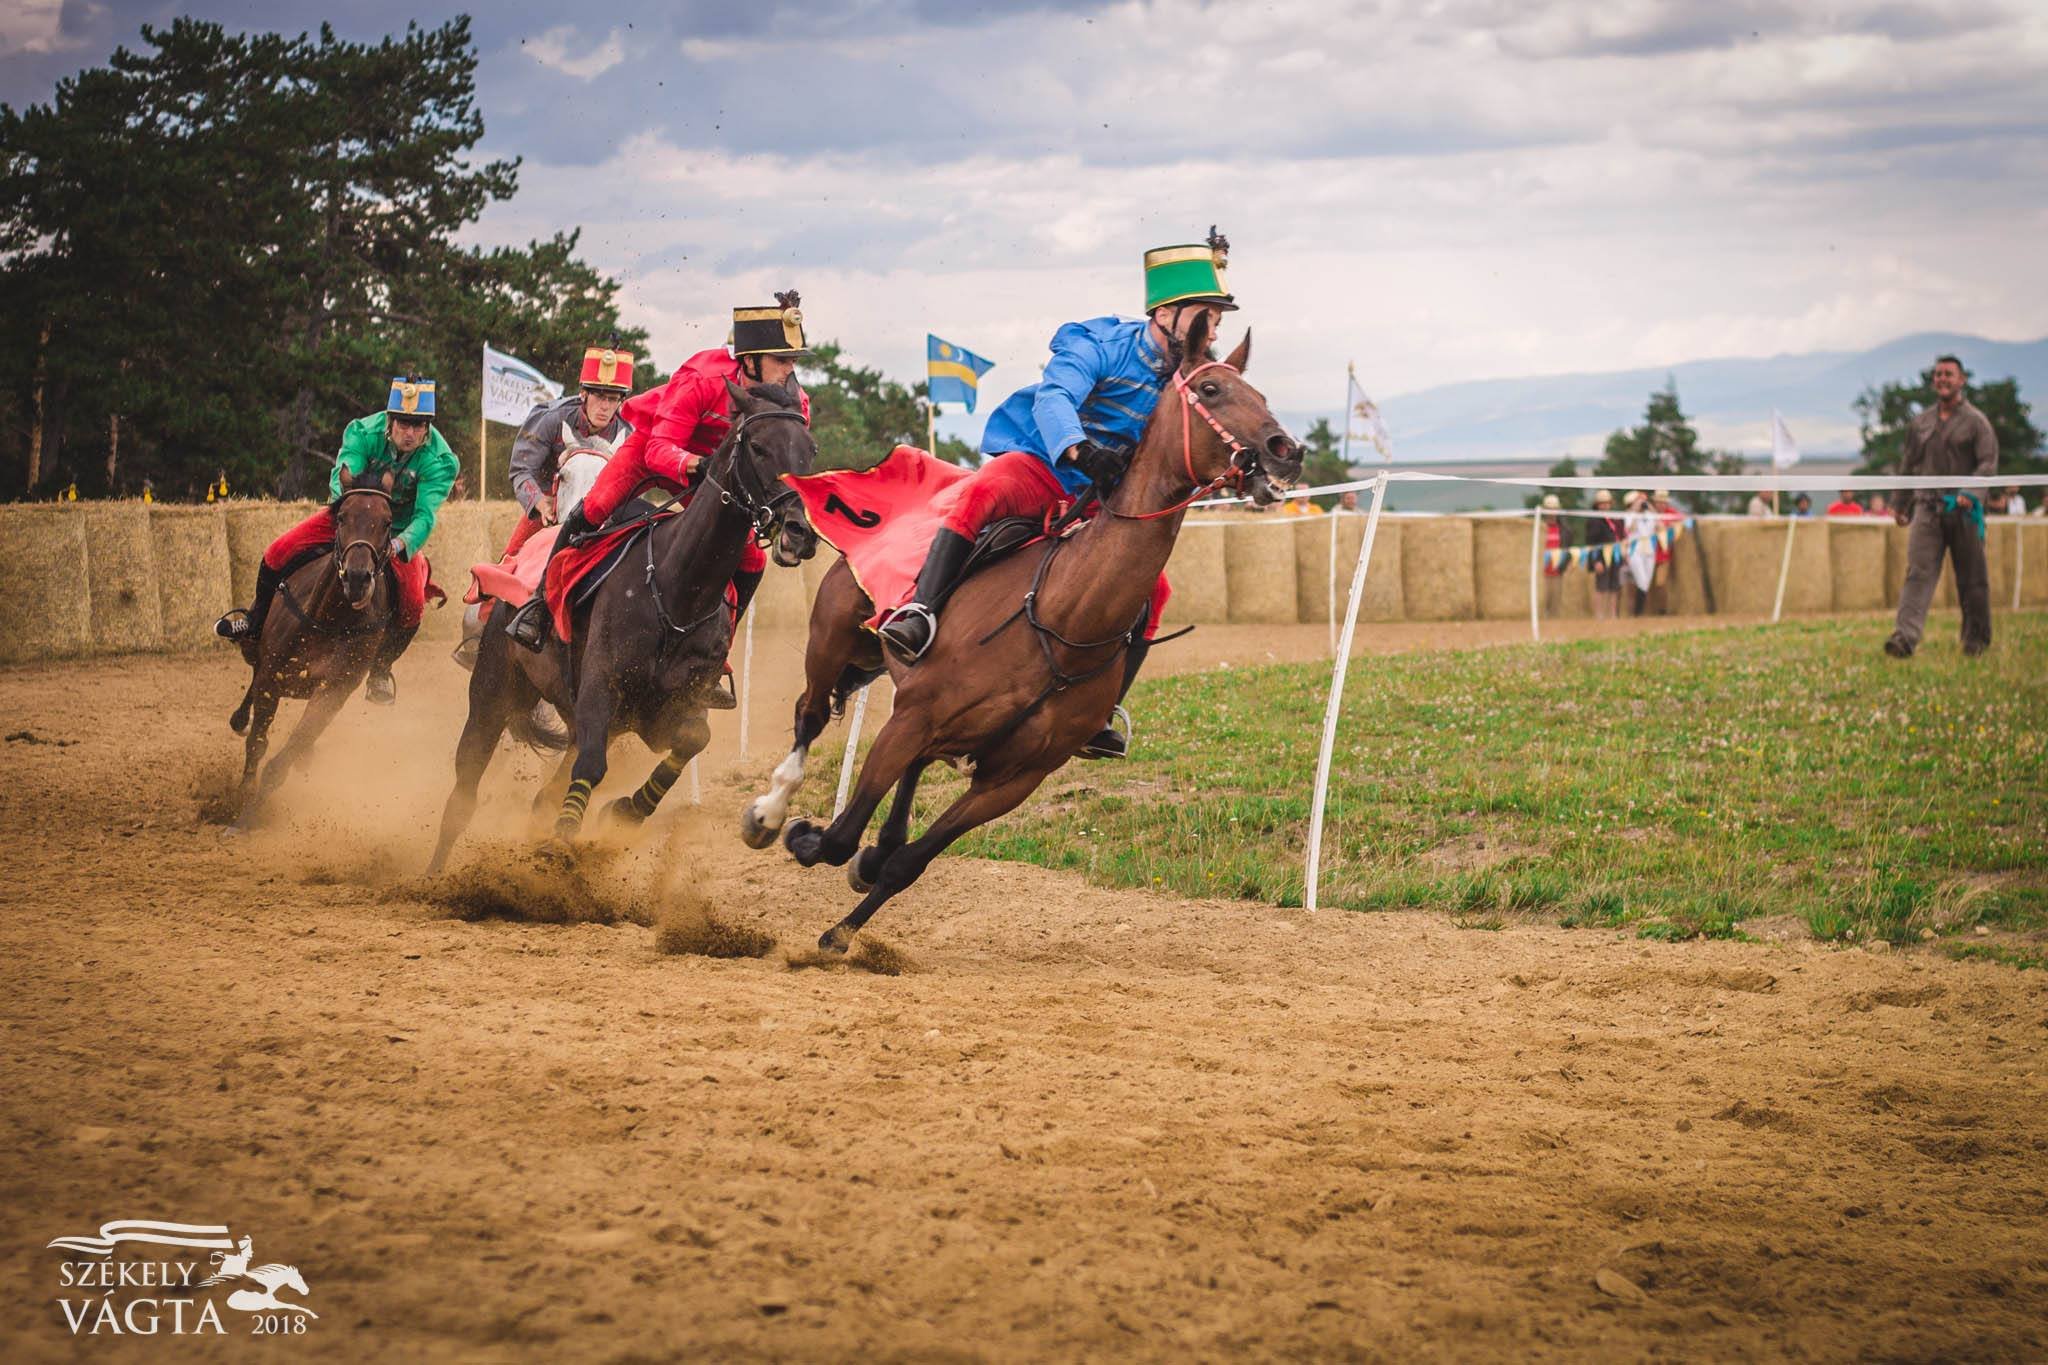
(420, 481)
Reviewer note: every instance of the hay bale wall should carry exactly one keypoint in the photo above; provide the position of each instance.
(47, 611)
(2033, 563)
(1688, 585)
(2001, 559)
(120, 560)
(1810, 578)
(499, 519)
(1857, 554)
(194, 585)
(1260, 572)
(461, 539)
(251, 527)
(1436, 569)
(1500, 568)
(1744, 556)
(1198, 572)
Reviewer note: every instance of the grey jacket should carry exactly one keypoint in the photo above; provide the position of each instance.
(1964, 444)
(539, 448)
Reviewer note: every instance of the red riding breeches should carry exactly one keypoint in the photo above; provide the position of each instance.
(1018, 485)
(317, 532)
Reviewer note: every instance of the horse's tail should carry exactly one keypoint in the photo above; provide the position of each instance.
(541, 739)
(239, 721)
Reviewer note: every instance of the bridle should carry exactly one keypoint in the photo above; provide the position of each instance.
(760, 504)
(1243, 459)
(379, 554)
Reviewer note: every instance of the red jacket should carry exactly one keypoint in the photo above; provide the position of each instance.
(685, 419)
(1845, 509)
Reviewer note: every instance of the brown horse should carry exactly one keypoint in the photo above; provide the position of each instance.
(1024, 668)
(320, 646)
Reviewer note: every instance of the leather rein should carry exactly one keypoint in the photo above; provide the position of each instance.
(380, 556)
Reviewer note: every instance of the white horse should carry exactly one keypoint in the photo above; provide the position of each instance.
(272, 1278)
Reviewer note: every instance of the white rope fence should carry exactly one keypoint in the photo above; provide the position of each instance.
(1733, 483)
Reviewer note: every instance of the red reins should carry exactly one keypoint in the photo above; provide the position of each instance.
(1232, 474)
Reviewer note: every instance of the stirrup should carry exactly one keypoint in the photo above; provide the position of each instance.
(465, 653)
(901, 648)
(1109, 742)
(720, 696)
(529, 625)
(237, 624)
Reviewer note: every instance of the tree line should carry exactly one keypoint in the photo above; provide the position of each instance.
(216, 248)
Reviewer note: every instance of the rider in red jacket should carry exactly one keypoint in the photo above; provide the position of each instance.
(674, 428)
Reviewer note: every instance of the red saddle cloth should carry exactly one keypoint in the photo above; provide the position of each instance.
(513, 578)
(882, 519)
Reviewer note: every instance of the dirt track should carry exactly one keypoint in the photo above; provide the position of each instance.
(1077, 1123)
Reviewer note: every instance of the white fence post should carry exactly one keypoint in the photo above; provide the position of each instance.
(1535, 559)
(746, 683)
(860, 710)
(1315, 819)
(1784, 569)
(2019, 560)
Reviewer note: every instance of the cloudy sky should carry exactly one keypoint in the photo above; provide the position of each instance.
(1439, 190)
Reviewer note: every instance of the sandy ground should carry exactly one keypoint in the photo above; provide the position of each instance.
(1073, 1123)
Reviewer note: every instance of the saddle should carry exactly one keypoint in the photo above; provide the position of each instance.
(998, 540)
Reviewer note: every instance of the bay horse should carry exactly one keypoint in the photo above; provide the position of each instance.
(1024, 667)
(654, 642)
(318, 640)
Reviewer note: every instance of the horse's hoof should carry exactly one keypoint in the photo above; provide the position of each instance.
(802, 839)
(835, 940)
(753, 833)
(625, 812)
(557, 850)
(865, 870)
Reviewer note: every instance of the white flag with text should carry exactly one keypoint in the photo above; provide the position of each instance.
(512, 388)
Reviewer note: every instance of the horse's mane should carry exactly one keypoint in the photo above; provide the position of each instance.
(365, 479)
(782, 395)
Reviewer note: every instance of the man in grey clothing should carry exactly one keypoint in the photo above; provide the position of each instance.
(607, 378)
(1952, 437)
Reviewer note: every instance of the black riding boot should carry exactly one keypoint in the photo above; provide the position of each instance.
(1110, 742)
(382, 689)
(908, 631)
(248, 625)
(529, 625)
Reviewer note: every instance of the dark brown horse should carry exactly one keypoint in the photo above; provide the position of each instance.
(320, 645)
(1025, 666)
(653, 645)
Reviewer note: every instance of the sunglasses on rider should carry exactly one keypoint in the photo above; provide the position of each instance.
(411, 423)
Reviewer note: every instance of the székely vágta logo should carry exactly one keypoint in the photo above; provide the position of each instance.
(100, 1294)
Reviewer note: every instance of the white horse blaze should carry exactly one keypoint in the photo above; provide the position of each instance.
(770, 809)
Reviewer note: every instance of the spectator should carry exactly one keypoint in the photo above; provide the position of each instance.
(1601, 532)
(1879, 506)
(1802, 506)
(1639, 535)
(1952, 437)
(1553, 563)
(1759, 505)
(1347, 501)
(1846, 505)
(2004, 502)
(1668, 514)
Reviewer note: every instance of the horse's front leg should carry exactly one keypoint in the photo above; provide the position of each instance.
(262, 711)
(488, 714)
(761, 819)
(691, 737)
(895, 832)
(897, 750)
(979, 804)
(594, 707)
(324, 705)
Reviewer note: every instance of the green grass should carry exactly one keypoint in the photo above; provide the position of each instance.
(1680, 785)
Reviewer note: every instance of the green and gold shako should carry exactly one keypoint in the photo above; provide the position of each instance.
(1191, 273)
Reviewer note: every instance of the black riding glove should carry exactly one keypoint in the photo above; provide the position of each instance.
(1103, 467)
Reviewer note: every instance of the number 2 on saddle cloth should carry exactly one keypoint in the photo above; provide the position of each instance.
(883, 519)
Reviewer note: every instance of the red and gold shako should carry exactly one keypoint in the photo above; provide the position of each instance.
(607, 369)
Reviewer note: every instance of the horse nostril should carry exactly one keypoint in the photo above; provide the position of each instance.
(1281, 446)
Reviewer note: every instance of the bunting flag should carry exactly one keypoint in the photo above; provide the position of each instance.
(1612, 553)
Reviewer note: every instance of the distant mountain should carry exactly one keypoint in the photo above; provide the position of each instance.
(1730, 401)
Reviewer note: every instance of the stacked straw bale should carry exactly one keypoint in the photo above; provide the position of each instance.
(46, 612)
(194, 585)
(1259, 569)
(1436, 569)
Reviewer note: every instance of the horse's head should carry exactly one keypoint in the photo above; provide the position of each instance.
(583, 459)
(1229, 425)
(362, 535)
(769, 440)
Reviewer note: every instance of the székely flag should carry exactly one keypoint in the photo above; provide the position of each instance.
(953, 373)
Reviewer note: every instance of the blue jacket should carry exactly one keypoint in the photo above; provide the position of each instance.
(1102, 383)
